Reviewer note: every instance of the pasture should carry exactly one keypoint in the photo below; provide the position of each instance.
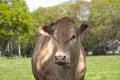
(98, 68)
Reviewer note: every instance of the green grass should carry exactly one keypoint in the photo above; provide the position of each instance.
(15, 69)
(103, 68)
(98, 68)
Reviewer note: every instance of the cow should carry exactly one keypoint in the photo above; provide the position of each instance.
(58, 53)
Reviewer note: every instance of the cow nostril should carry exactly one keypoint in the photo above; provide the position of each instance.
(60, 58)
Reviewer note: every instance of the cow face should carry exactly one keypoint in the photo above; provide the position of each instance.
(65, 34)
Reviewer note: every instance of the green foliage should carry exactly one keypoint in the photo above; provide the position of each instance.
(44, 16)
(5, 21)
(14, 23)
(104, 18)
(77, 9)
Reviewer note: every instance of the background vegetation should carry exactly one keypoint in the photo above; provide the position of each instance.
(18, 26)
(98, 68)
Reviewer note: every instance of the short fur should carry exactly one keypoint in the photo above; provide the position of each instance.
(59, 39)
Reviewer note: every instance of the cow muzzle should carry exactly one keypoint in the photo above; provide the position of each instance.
(62, 58)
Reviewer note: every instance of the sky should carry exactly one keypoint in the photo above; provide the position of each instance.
(34, 4)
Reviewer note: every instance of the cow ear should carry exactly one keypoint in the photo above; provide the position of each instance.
(83, 28)
(46, 31)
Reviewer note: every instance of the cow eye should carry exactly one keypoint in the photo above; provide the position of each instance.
(73, 37)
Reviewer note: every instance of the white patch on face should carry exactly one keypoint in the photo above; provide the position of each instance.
(47, 52)
(38, 66)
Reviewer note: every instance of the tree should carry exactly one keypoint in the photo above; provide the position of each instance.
(14, 22)
(5, 24)
(22, 24)
(104, 15)
(76, 9)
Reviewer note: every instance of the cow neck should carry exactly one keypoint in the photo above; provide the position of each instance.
(64, 73)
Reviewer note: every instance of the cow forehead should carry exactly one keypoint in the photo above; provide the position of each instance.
(63, 31)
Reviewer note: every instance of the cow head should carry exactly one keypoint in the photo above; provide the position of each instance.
(65, 34)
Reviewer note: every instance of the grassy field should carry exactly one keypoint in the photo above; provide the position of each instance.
(103, 68)
(98, 68)
(15, 69)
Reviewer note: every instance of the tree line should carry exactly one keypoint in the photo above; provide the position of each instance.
(19, 26)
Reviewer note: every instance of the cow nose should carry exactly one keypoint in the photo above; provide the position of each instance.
(60, 59)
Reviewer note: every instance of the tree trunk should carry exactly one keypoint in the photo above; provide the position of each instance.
(19, 50)
(0, 52)
(11, 50)
(8, 47)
